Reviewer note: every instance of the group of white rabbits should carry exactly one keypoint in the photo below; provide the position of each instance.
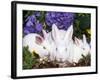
(58, 44)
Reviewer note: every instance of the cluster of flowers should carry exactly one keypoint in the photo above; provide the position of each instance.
(32, 25)
(62, 19)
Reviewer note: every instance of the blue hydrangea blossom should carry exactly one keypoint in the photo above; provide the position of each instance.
(62, 19)
(32, 25)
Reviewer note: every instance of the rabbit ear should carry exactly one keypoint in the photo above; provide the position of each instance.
(55, 32)
(84, 39)
(69, 33)
(44, 33)
(78, 42)
(38, 39)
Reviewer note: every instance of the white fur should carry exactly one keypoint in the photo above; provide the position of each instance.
(58, 44)
(81, 47)
(29, 40)
(44, 49)
(66, 49)
(63, 42)
(51, 45)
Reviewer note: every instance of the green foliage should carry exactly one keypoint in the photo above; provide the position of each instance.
(85, 60)
(84, 20)
(29, 59)
(82, 24)
(26, 14)
(42, 17)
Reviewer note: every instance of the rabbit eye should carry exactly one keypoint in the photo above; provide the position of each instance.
(56, 49)
(66, 49)
(83, 48)
(44, 47)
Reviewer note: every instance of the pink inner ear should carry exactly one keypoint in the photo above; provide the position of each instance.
(38, 40)
(76, 41)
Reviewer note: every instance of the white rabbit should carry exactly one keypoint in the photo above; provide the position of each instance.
(51, 45)
(41, 45)
(66, 48)
(81, 47)
(35, 43)
(63, 42)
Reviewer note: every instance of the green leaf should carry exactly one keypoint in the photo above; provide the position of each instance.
(28, 59)
(82, 23)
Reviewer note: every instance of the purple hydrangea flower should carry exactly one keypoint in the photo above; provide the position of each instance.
(29, 23)
(62, 19)
(39, 27)
(31, 18)
(26, 31)
(37, 13)
(32, 25)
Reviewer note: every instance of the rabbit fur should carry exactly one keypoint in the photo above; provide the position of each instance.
(66, 47)
(58, 44)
